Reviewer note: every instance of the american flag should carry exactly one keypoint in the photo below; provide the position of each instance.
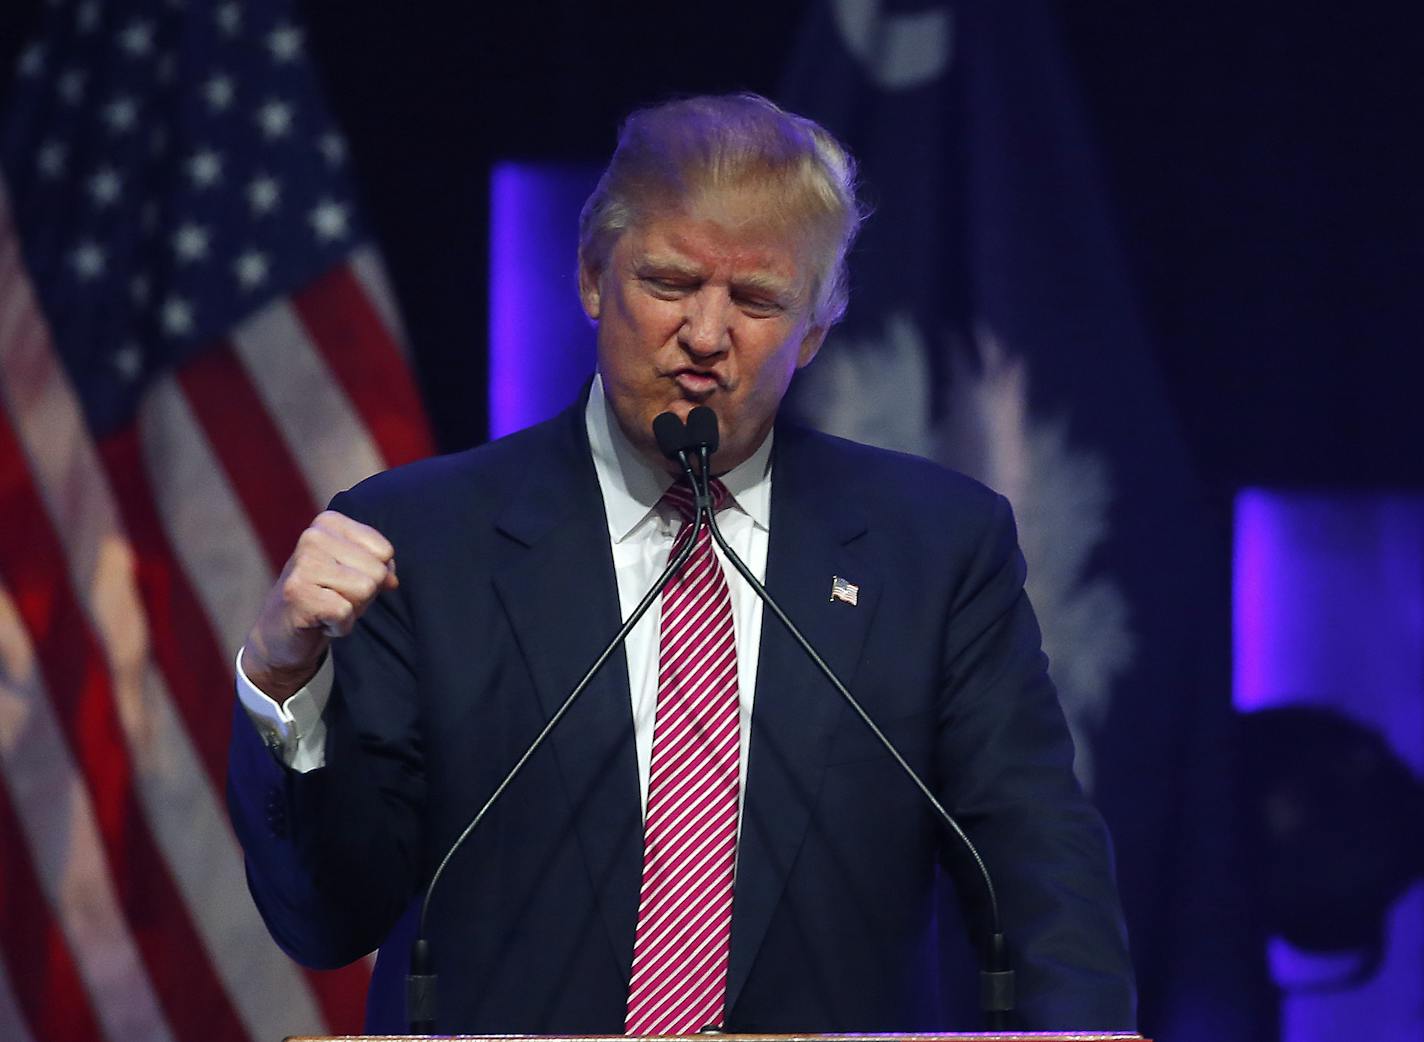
(196, 350)
(842, 590)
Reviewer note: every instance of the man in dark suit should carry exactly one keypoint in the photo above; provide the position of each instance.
(711, 259)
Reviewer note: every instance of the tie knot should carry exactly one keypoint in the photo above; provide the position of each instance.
(680, 498)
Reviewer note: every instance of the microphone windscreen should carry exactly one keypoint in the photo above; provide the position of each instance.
(670, 434)
(702, 428)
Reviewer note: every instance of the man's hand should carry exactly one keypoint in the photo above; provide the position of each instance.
(336, 571)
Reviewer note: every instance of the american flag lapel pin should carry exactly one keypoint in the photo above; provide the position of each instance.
(841, 590)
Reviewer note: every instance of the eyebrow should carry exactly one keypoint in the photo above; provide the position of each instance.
(769, 285)
(756, 282)
(649, 265)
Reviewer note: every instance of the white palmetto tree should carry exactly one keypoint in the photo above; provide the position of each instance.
(881, 392)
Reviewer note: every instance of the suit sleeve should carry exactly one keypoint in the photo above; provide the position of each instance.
(333, 855)
(1005, 762)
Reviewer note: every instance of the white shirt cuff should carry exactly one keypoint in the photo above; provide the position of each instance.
(295, 730)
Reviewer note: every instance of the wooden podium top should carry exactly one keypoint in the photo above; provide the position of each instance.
(936, 1036)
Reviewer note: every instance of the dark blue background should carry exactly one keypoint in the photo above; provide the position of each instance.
(1264, 162)
(1263, 169)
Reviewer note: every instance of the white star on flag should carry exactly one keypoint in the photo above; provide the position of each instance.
(32, 60)
(275, 118)
(128, 360)
(218, 92)
(136, 39)
(263, 194)
(71, 86)
(51, 158)
(190, 242)
(251, 268)
(177, 316)
(333, 148)
(229, 18)
(121, 114)
(204, 168)
(86, 17)
(329, 219)
(285, 43)
(88, 260)
(105, 186)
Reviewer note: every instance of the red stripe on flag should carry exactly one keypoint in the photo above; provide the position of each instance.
(46, 981)
(342, 996)
(34, 568)
(350, 334)
(198, 671)
(259, 466)
(278, 505)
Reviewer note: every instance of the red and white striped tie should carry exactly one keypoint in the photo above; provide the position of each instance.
(684, 933)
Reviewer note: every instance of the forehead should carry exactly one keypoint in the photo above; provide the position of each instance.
(735, 231)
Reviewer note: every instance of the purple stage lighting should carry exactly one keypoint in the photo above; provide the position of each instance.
(1329, 613)
(540, 343)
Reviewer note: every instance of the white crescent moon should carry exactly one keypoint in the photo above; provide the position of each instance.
(898, 51)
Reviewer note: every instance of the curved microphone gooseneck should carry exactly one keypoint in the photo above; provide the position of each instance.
(671, 437)
(996, 978)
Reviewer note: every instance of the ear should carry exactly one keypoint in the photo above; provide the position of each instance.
(590, 295)
(810, 344)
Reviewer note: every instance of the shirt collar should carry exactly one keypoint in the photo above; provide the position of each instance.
(631, 488)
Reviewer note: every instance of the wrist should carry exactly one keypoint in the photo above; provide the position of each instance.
(277, 682)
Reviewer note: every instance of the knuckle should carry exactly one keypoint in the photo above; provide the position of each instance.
(312, 533)
(360, 592)
(293, 588)
(326, 526)
(341, 616)
(309, 547)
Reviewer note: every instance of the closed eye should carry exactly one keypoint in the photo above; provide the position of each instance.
(666, 287)
(759, 307)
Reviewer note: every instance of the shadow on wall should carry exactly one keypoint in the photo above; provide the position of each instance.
(1334, 819)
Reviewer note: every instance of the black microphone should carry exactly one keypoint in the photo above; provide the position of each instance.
(996, 978)
(702, 429)
(670, 434)
(671, 437)
(702, 439)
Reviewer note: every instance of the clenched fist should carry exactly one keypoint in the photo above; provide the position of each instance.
(336, 571)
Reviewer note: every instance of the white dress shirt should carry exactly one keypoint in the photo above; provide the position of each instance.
(641, 534)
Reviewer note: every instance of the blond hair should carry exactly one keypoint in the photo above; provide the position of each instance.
(669, 154)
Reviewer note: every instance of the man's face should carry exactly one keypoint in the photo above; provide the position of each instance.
(705, 305)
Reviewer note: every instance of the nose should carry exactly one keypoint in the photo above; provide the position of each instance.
(706, 324)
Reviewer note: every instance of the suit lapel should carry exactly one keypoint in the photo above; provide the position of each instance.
(558, 588)
(814, 536)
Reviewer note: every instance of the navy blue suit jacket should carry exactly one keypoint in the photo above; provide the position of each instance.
(508, 593)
